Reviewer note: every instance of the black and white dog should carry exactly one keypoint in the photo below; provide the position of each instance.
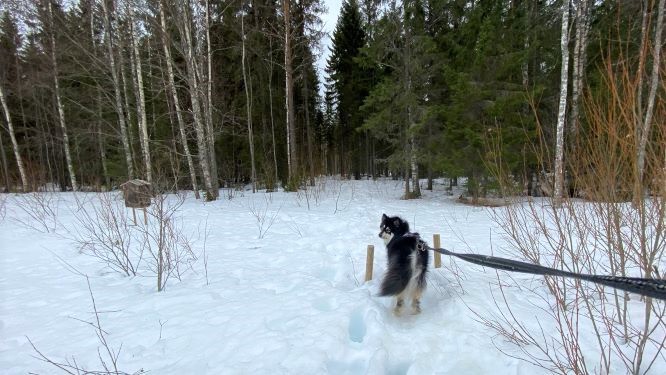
(407, 264)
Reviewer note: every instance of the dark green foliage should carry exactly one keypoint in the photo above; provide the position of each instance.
(350, 84)
(462, 87)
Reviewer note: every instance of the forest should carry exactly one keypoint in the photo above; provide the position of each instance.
(543, 97)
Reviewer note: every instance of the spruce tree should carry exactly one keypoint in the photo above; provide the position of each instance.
(349, 83)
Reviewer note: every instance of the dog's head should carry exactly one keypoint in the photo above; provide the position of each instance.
(392, 226)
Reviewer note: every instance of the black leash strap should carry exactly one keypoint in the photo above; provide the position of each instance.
(654, 288)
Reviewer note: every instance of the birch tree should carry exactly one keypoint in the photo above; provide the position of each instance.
(582, 20)
(59, 104)
(654, 83)
(193, 85)
(292, 158)
(141, 98)
(108, 35)
(248, 106)
(562, 108)
(210, 128)
(15, 146)
(171, 87)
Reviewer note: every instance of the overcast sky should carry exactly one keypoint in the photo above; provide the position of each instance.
(330, 18)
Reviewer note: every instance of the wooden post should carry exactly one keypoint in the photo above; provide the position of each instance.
(369, 260)
(437, 244)
(145, 217)
(134, 215)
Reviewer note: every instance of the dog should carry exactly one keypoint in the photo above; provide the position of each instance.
(405, 276)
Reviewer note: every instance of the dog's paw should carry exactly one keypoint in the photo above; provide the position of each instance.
(416, 311)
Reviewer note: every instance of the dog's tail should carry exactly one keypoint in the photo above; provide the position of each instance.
(395, 281)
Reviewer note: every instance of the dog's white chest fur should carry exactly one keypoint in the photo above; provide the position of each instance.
(387, 237)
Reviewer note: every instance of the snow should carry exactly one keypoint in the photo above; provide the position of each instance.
(285, 296)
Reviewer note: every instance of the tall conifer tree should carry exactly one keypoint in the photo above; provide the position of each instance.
(349, 83)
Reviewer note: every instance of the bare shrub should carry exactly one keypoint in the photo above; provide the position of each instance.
(108, 356)
(263, 219)
(312, 195)
(163, 239)
(597, 238)
(618, 230)
(159, 247)
(337, 190)
(104, 231)
(42, 211)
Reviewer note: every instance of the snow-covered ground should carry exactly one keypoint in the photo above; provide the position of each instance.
(286, 298)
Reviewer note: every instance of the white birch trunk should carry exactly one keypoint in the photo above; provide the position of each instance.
(171, 87)
(645, 35)
(117, 93)
(141, 99)
(248, 106)
(562, 110)
(61, 108)
(292, 161)
(210, 129)
(654, 83)
(579, 62)
(12, 136)
(193, 84)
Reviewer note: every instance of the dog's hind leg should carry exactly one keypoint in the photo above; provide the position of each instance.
(416, 301)
(399, 303)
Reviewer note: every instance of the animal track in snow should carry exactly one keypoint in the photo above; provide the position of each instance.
(357, 328)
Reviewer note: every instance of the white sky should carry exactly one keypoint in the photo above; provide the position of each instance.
(330, 18)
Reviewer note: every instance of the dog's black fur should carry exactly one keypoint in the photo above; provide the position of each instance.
(407, 265)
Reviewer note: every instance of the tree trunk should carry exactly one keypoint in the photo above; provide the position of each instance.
(61, 108)
(100, 141)
(5, 166)
(270, 104)
(141, 100)
(654, 83)
(248, 106)
(562, 110)
(210, 129)
(193, 83)
(306, 95)
(292, 155)
(171, 87)
(413, 152)
(118, 96)
(12, 137)
(645, 36)
(579, 62)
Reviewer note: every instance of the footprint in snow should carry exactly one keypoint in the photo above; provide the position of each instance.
(357, 327)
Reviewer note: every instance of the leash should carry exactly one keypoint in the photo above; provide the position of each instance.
(655, 288)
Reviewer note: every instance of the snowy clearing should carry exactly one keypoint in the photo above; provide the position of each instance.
(279, 289)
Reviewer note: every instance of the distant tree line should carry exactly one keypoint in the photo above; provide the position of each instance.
(198, 94)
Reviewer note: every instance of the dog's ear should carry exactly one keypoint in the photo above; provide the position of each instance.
(384, 217)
